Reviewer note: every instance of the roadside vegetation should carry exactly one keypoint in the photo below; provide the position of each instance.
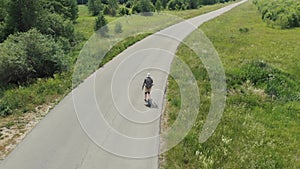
(260, 127)
(280, 13)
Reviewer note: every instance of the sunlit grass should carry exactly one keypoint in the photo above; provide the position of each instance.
(257, 129)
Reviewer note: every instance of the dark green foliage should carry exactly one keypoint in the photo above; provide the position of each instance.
(244, 30)
(49, 17)
(209, 2)
(82, 1)
(5, 109)
(67, 8)
(95, 6)
(101, 25)
(188, 4)
(164, 3)
(158, 5)
(3, 16)
(30, 55)
(55, 25)
(3, 9)
(145, 7)
(123, 11)
(110, 8)
(282, 13)
(129, 4)
(23, 15)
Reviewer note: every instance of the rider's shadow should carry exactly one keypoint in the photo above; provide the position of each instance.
(151, 104)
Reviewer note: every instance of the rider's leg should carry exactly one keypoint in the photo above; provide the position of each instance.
(145, 96)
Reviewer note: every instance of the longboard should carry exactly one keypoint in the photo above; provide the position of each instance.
(151, 104)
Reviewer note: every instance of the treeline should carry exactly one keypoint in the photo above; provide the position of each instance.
(282, 13)
(36, 36)
(125, 7)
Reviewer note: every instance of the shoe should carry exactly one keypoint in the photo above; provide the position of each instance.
(145, 100)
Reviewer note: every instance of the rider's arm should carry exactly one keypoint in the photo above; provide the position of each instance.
(143, 84)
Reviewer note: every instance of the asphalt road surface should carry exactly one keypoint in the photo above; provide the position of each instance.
(103, 123)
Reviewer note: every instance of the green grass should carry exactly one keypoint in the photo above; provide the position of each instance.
(260, 127)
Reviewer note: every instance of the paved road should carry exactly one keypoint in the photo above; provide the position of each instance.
(117, 130)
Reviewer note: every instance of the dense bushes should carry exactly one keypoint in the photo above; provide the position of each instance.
(49, 17)
(101, 25)
(28, 55)
(145, 6)
(37, 36)
(282, 13)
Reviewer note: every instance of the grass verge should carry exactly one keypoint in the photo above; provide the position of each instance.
(260, 127)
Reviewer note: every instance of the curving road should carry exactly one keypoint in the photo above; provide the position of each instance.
(103, 123)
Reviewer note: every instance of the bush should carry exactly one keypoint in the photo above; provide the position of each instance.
(144, 6)
(101, 25)
(29, 55)
(118, 28)
(55, 25)
(95, 6)
(275, 83)
(282, 13)
(123, 11)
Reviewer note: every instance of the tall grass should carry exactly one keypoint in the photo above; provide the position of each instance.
(260, 127)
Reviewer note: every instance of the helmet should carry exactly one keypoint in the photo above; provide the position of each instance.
(148, 74)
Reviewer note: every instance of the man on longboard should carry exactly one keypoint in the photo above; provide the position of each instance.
(148, 83)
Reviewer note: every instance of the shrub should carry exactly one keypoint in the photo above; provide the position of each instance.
(118, 28)
(101, 25)
(123, 11)
(30, 55)
(282, 13)
(144, 6)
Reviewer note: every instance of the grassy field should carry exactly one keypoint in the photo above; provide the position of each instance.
(260, 127)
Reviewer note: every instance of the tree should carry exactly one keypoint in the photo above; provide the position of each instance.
(30, 55)
(193, 4)
(82, 1)
(67, 8)
(123, 11)
(143, 6)
(55, 25)
(101, 25)
(158, 5)
(3, 11)
(22, 15)
(118, 28)
(164, 3)
(95, 6)
(3, 15)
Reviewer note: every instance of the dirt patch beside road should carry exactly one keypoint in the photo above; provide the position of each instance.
(14, 129)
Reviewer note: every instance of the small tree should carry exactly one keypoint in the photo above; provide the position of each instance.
(22, 15)
(158, 6)
(143, 6)
(95, 6)
(101, 25)
(118, 28)
(30, 55)
(123, 11)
